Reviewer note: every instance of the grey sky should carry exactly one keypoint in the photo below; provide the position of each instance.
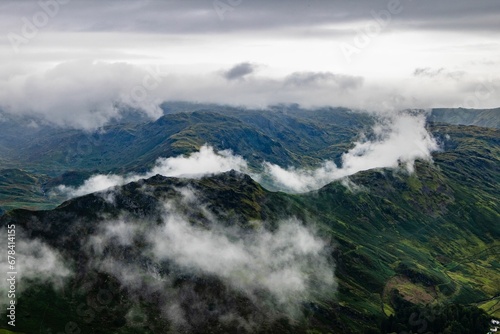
(362, 54)
(188, 16)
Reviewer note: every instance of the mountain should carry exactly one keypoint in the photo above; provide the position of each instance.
(409, 252)
(22, 189)
(286, 135)
(283, 137)
(461, 116)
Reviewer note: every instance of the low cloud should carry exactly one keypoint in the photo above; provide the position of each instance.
(286, 263)
(82, 94)
(239, 71)
(89, 94)
(96, 183)
(398, 139)
(204, 162)
(198, 164)
(276, 270)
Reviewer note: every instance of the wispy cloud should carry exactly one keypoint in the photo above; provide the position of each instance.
(315, 79)
(439, 72)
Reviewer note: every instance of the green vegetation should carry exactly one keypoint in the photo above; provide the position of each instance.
(455, 318)
(23, 190)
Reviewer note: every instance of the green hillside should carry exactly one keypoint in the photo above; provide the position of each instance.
(297, 137)
(405, 247)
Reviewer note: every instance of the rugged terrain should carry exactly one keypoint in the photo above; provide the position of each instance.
(408, 251)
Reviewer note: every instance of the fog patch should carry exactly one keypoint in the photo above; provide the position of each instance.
(35, 261)
(277, 270)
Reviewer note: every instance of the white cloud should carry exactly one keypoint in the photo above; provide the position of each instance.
(96, 183)
(399, 139)
(286, 262)
(204, 162)
(81, 94)
(87, 94)
(198, 164)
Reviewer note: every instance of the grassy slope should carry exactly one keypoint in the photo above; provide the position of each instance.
(461, 116)
(20, 189)
(27, 190)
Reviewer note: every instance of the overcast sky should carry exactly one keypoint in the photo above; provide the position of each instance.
(67, 57)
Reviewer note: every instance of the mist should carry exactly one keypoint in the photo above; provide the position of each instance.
(36, 262)
(277, 270)
(282, 262)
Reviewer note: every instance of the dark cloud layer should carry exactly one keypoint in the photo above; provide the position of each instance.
(224, 16)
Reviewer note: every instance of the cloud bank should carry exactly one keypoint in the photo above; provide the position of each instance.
(398, 139)
(89, 94)
(81, 94)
